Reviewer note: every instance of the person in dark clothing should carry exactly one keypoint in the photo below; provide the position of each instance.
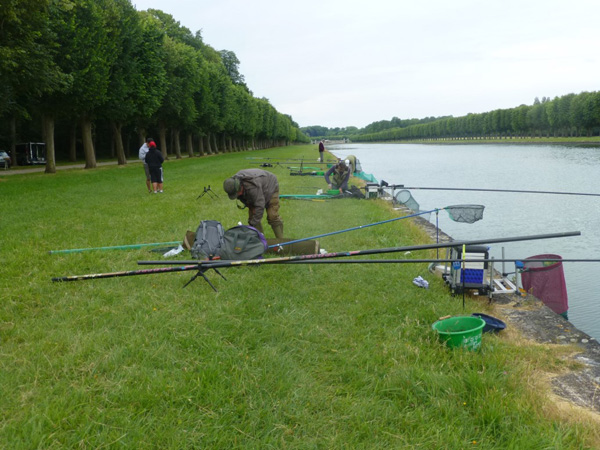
(340, 174)
(142, 154)
(154, 158)
(258, 190)
(321, 150)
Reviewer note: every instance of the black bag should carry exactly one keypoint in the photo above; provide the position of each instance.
(209, 240)
(354, 192)
(243, 242)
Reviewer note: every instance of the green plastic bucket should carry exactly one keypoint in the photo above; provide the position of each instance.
(460, 331)
(333, 192)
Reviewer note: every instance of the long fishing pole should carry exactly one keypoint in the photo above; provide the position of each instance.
(232, 263)
(440, 261)
(203, 266)
(116, 247)
(129, 273)
(350, 229)
(222, 264)
(519, 191)
(328, 161)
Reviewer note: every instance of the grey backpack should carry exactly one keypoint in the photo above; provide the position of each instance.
(243, 242)
(209, 240)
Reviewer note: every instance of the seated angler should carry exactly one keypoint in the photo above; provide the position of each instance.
(340, 174)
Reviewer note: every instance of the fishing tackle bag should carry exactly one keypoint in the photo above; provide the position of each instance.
(243, 242)
(209, 240)
(355, 192)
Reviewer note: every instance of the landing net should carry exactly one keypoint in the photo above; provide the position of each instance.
(458, 213)
(405, 198)
(465, 213)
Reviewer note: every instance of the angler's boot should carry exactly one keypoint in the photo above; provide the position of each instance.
(278, 230)
(259, 228)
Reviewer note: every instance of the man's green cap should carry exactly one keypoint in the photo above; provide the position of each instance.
(231, 186)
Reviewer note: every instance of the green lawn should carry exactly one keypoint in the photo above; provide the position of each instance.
(286, 356)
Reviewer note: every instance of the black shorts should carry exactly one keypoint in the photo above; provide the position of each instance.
(156, 174)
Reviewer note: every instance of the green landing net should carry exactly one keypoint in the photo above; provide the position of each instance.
(405, 198)
(458, 213)
(465, 213)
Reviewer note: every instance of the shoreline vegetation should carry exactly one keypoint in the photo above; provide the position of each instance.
(282, 356)
(595, 140)
(571, 115)
(490, 139)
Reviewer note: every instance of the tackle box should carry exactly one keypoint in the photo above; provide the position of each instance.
(471, 274)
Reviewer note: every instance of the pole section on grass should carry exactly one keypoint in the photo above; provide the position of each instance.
(116, 247)
(128, 273)
(350, 229)
(436, 261)
(224, 264)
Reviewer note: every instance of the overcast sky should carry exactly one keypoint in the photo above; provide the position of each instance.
(339, 63)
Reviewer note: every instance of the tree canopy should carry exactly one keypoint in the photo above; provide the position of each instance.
(99, 65)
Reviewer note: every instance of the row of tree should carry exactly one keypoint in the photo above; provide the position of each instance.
(567, 116)
(317, 131)
(90, 65)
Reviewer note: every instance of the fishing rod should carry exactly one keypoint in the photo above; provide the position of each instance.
(410, 248)
(229, 263)
(313, 173)
(329, 161)
(519, 191)
(441, 261)
(116, 247)
(350, 229)
(203, 266)
(129, 273)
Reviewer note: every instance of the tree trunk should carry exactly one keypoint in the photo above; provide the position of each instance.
(118, 140)
(88, 143)
(141, 132)
(73, 143)
(189, 143)
(176, 142)
(201, 145)
(215, 146)
(209, 150)
(48, 130)
(163, 139)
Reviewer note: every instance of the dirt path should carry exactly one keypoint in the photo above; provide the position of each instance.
(37, 169)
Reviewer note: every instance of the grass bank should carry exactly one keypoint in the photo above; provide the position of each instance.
(294, 356)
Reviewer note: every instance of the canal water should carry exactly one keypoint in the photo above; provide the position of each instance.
(553, 168)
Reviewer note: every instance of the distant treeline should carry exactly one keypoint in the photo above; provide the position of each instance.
(99, 76)
(317, 131)
(567, 116)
